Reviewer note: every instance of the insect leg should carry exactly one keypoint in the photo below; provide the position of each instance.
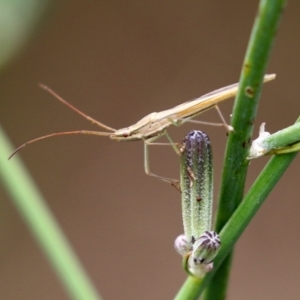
(224, 124)
(148, 142)
(228, 127)
(174, 145)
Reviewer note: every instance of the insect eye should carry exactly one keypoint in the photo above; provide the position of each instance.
(125, 134)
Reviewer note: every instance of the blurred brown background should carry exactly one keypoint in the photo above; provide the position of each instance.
(118, 61)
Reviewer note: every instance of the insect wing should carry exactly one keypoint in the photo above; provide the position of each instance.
(198, 105)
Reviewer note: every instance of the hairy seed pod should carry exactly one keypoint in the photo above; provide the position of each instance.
(196, 182)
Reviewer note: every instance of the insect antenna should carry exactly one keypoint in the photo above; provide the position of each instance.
(89, 132)
(49, 90)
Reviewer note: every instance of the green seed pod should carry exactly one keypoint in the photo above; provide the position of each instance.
(196, 182)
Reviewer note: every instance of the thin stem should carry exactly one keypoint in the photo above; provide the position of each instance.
(35, 212)
(235, 163)
(283, 138)
(244, 113)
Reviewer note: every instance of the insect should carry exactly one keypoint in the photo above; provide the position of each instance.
(154, 125)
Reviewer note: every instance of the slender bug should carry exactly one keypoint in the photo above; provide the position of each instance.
(154, 125)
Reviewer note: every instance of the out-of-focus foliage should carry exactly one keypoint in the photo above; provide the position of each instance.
(18, 19)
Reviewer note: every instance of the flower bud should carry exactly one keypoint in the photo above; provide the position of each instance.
(206, 248)
(182, 246)
(196, 183)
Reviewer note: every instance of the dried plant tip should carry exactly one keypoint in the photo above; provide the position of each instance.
(257, 148)
(286, 140)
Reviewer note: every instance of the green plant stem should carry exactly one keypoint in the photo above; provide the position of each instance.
(244, 113)
(235, 163)
(282, 138)
(43, 225)
(238, 222)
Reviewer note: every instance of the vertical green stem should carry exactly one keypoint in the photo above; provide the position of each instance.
(244, 113)
(235, 163)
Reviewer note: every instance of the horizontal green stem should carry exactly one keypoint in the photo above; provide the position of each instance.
(282, 138)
